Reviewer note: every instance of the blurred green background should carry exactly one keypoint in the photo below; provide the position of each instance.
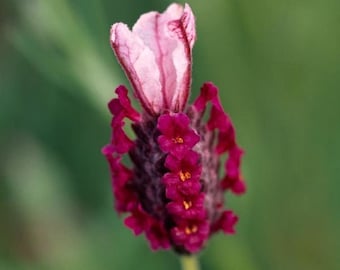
(277, 64)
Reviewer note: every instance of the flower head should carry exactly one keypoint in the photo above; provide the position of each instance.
(174, 191)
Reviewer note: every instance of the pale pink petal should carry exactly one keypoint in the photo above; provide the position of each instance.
(152, 28)
(140, 66)
(186, 34)
(189, 25)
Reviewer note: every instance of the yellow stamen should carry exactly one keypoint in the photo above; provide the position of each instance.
(184, 175)
(191, 229)
(178, 140)
(187, 205)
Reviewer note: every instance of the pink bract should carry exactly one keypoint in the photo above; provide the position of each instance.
(156, 56)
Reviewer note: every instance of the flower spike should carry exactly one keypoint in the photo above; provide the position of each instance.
(174, 191)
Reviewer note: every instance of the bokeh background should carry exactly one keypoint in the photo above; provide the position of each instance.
(277, 64)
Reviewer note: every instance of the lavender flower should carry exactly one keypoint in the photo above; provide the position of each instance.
(173, 193)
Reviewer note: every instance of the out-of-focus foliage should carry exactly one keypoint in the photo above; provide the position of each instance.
(277, 64)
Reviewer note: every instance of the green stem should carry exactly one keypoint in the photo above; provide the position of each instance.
(189, 263)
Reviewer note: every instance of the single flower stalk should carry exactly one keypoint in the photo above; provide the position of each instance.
(174, 191)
